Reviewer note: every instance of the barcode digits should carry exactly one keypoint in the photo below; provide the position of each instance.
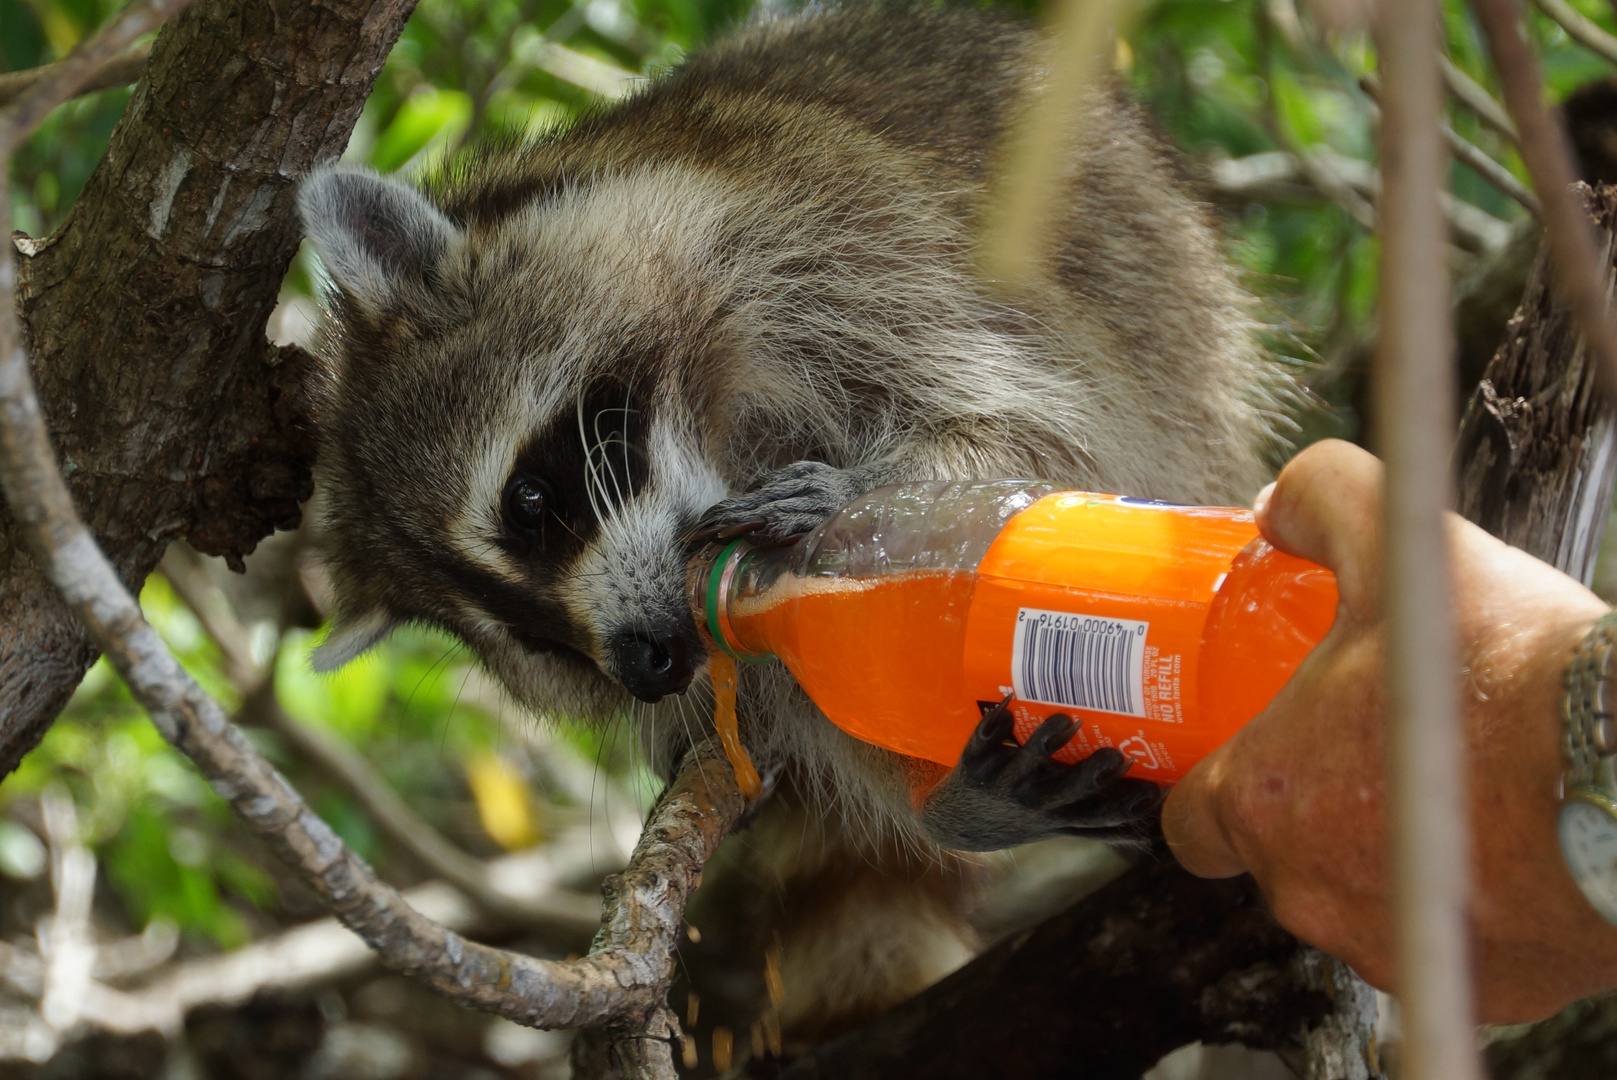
(1079, 661)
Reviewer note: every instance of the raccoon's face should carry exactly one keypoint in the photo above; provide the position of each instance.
(507, 448)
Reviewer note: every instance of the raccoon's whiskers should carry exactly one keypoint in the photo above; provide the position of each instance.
(602, 446)
(592, 481)
(628, 473)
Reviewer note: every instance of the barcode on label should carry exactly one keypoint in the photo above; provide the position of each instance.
(1080, 661)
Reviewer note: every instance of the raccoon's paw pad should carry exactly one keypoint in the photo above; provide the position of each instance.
(1001, 794)
(785, 505)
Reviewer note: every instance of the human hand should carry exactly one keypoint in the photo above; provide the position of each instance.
(1298, 797)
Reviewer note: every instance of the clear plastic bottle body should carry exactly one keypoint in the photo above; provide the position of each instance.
(1161, 629)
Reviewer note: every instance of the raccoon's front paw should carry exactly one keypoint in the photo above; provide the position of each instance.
(785, 505)
(1000, 794)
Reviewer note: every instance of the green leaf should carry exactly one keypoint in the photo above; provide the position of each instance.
(428, 119)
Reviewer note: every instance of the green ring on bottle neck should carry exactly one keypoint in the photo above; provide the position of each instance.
(711, 605)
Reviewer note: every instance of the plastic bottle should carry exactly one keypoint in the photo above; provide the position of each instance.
(1161, 629)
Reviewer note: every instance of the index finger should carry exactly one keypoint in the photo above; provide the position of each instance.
(1326, 507)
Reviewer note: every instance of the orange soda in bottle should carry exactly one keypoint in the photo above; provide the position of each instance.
(1160, 629)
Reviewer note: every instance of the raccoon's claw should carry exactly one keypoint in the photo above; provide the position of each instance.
(1000, 794)
(785, 505)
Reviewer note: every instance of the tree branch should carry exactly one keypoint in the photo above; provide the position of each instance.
(1579, 28)
(56, 83)
(1470, 93)
(561, 912)
(1281, 176)
(312, 954)
(122, 69)
(1548, 155)
(1153, 961)
(1472, 154)
(145, 311)
(1413, 381)
(566, 913)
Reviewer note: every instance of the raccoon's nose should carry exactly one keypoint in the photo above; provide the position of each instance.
(652, 664)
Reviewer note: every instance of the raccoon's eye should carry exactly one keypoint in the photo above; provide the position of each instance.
(527, 498)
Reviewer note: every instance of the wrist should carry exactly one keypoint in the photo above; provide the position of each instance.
(1532, 919)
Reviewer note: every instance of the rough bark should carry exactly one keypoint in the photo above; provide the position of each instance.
(1537, 449)
(145, 312)
(1153, 961)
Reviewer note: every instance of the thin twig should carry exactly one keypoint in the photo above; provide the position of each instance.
(122, 69)
(1490, 170)
(307, 955)
(1580, 28)
(580, 69)
(1315, 169)
(1414, 384)
(1334, 186)
(1474, 96)
(569, 914)
(1282, 15)
(64, 941)
(1278, 175)
(183, 569)
(1548, 155)
(1473, 155)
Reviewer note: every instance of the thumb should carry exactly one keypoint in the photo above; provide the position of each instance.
(1193, 821)
(1326, 507)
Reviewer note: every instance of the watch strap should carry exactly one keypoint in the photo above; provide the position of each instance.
(1588, 704)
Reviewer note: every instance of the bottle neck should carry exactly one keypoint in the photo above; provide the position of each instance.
(721, 586)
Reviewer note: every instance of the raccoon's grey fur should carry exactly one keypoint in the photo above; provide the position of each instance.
(543, 372)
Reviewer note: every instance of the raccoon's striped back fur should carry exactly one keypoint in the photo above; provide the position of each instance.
(542, 372)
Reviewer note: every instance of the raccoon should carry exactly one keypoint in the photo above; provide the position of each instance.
(732, 302)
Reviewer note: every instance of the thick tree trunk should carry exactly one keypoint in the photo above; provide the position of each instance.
(174, 416)
(1537, 451)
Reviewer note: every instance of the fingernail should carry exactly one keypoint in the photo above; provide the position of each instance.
(1261, 503)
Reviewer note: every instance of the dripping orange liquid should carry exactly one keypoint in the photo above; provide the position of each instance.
(722, 671)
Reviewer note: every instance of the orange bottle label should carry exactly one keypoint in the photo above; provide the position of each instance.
(1095, 606)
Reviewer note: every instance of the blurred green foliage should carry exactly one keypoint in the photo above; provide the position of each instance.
(1219, 76)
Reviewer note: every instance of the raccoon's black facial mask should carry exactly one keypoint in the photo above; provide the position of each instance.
(568, 549)
(565, 483)
(581, 469)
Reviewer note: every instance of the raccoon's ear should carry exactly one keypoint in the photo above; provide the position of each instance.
(347, 639)
(379, 237)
